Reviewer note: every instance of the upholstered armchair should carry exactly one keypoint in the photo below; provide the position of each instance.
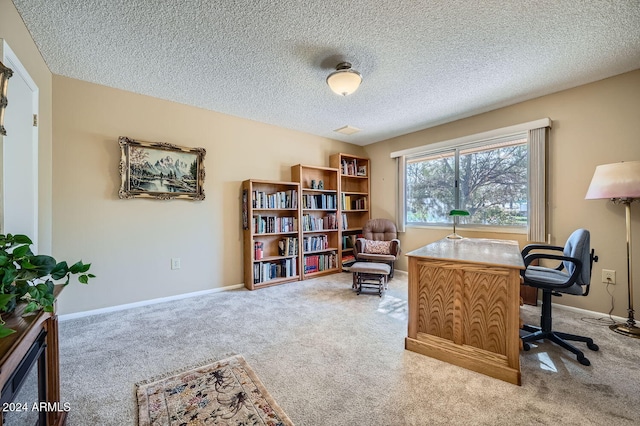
(379, 243)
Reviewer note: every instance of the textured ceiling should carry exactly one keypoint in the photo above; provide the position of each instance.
(423, 63)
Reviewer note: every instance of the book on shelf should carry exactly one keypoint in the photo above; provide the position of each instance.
(349, 167)
(266, 271)
(273, 224)
(348, 259)
(312, 223)
(354, 202)
(319, 201)
(330, 221)
(278, 200)
(349, 241)
(320, 262)
(258, 249)
(315, 243)
(288, 246)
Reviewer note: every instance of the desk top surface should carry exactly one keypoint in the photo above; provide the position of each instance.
(505, 253)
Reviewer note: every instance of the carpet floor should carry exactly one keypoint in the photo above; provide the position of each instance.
(331, 357)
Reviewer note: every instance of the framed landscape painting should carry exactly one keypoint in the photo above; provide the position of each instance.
(160, 170)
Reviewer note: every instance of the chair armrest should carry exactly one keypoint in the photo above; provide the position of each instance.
(359, 245)
(569, 282)
(395, 247)
(530, 247)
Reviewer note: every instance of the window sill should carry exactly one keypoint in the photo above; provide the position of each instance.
(471, 228)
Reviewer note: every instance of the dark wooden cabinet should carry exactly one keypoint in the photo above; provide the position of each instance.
(34, 342)
(529, 295)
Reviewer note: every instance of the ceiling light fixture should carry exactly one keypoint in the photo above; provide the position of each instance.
(344, 80)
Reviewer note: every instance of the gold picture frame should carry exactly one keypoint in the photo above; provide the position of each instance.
(160, 170)
(5, 75)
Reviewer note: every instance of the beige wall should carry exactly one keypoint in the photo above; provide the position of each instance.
(131, 242)
(593, 124)
(13, 31)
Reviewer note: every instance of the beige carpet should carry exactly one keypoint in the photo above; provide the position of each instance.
(330, 357)
(225, 392)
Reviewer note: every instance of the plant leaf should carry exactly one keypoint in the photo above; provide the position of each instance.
(31, 306)
(5, 331)
(22, 239)
(5, 299)
(43, 264)
(60, 270)
(20, 251)
(79, 267)
(9, 276)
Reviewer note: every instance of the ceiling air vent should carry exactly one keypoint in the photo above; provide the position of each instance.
(347, 130)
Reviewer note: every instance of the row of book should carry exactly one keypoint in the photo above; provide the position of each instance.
(315, 243)
(286, 247)
(312, 223)
(320, 262)
(349, 241)
(265, 271)
(351, 168)
(278, 200)
(320, 201)
(273, 224)
(348, 259)
(354, 202)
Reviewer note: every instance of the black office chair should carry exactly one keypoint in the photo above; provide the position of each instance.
(572, 276)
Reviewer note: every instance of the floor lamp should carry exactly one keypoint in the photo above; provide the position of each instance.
(620, 182)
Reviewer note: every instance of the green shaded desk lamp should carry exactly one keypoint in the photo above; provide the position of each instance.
(456, 214)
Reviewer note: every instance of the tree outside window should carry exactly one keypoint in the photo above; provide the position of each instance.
(489, 181)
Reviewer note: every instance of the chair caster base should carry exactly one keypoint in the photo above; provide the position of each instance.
(584, 361)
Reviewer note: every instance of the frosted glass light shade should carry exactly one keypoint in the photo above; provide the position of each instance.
(344, 81)
(616, 180)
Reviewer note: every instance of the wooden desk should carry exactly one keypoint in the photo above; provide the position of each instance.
(464, 298)
(35, 340)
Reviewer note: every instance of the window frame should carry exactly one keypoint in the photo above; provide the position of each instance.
(536, 133)
(455, 151)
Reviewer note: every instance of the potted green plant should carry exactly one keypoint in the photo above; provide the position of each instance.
(29, 278)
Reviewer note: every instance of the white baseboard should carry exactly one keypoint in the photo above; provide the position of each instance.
(567, 308)
(147, 302)
(584, 311)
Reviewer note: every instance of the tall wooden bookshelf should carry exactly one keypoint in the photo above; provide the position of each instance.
(319, 220)
(354, 199)
(271, 227)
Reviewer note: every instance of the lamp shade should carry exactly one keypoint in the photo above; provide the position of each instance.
(616, 180)
(344, 81)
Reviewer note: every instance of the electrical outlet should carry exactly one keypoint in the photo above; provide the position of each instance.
(608, 276)
(175, 263)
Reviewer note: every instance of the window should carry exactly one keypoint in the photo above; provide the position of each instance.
(487, 179)
(499, 176)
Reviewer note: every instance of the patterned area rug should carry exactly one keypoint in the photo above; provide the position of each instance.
(225, 392)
